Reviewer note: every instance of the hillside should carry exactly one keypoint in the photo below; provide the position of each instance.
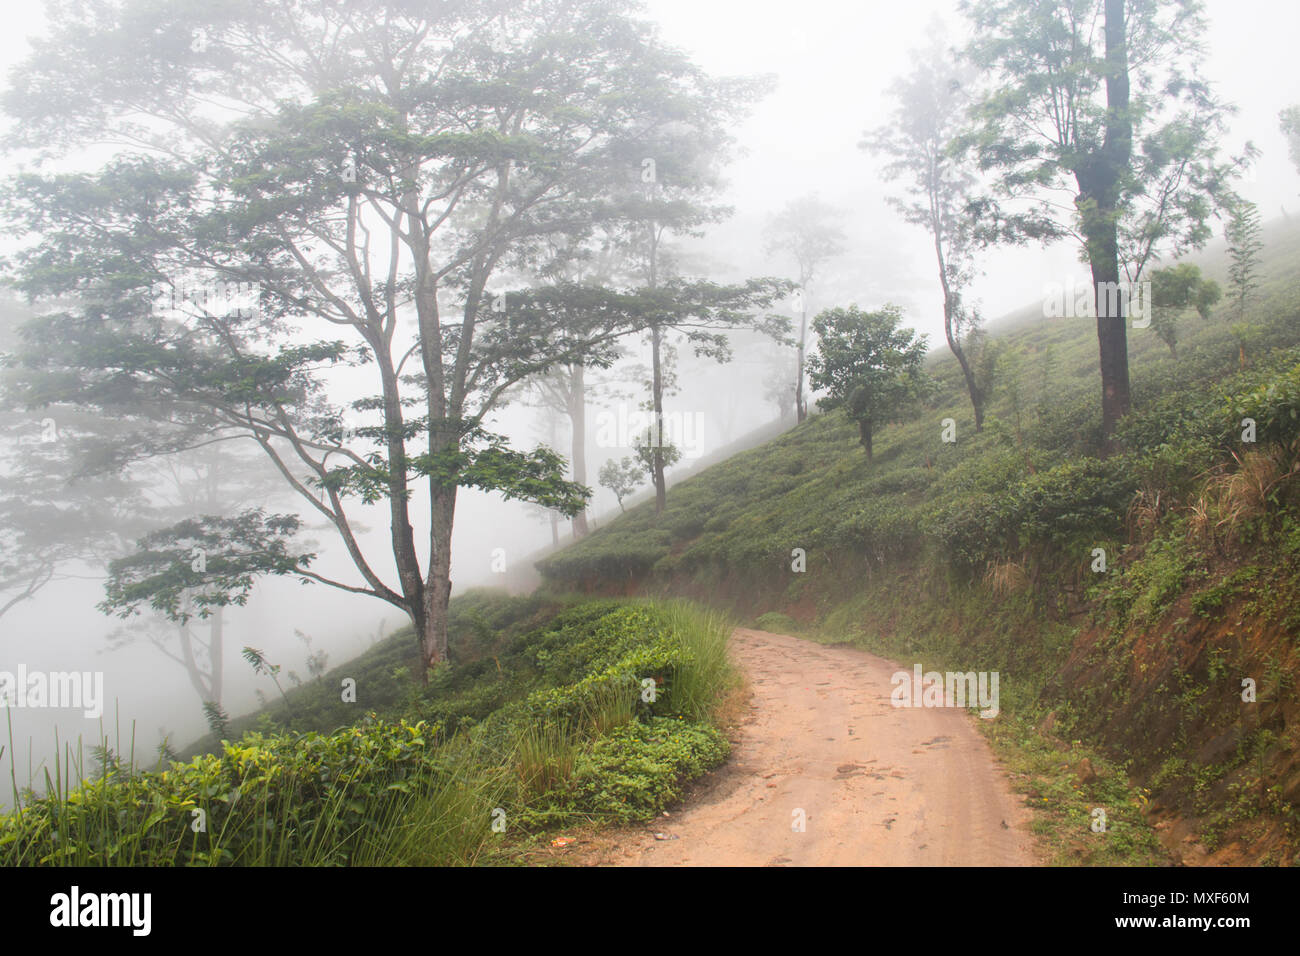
(544, 722)
(980, 555)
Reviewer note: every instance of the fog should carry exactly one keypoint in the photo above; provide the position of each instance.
(833, 62)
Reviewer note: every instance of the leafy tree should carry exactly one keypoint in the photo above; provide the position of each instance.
(679, 173)
(1102, 98)
(73, 499)
(621, 477)
(807, 230)
(1290, 122)
(582, 309)
(702, 313)
(1174, 290)
(373, 169)
(1244, 246)
(779, 382)
(870, 367)
(930, 110)
(57, 518)
(655, 452)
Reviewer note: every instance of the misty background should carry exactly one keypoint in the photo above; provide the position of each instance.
(833, 62)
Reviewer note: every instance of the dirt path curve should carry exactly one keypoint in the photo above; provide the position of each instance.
(879, 785)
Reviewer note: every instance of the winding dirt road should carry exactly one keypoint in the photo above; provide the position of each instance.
(878, 785)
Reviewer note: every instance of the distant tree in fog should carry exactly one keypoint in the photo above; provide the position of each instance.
(621, 477)
(567, 388)
(1290, 122)
(1175, 290)
(1242, 234)
(808, 231)
(930, 112)
(779, 386)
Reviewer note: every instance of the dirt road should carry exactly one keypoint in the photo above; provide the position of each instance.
(877, 785)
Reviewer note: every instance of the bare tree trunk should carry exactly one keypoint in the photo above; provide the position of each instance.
(657, 471)
(216, 653)
(192, 671)
(1099, 181)
(949, 319)
(801, 406)
(437, 590)
(578, 418)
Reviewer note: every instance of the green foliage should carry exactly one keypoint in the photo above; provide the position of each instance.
(1244, 246)
(646, 448)
(1272, 399)
(630, 774)
(870, 366)
(599, 713)
(620, 477)
(1175, 290)
(1141, 590)
(202, 563)
(1075, 504)
(278, 799)
(1211, 601)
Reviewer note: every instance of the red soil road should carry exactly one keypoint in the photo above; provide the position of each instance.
(879, 785)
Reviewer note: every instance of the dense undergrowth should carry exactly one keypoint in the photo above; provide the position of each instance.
(983, 555)
(554, 713)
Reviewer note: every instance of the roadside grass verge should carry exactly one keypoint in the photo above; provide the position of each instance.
(599, 715)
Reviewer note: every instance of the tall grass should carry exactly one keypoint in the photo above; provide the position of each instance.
(446, 819)
(544, 756)
(101, 812)
(707, 674)
(374, 794)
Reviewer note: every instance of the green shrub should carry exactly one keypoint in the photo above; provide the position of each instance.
(530, 721)
(634, 772)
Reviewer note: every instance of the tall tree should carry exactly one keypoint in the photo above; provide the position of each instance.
(702, 313)
(929, 113)
(368, 169)
(869, 365)
(1103, 99)
(808, 231)
(582, 309)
